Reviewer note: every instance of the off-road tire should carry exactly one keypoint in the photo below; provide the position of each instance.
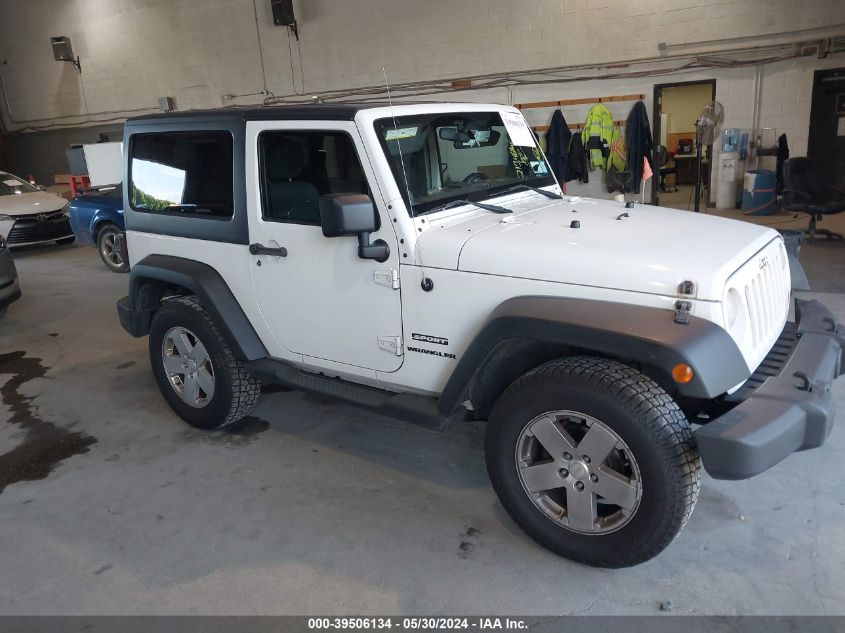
(105, 231)
(236, 391)
(642, 414)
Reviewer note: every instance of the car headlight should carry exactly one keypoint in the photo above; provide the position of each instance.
(6, 218)
(733, 306)
(735, 313)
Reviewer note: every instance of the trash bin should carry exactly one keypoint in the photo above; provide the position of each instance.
(793, 240)
(758, 195)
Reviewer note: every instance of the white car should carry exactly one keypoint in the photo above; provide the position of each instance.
(29, 215)
(421, 261)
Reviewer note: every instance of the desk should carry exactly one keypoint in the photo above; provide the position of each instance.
(685, 164)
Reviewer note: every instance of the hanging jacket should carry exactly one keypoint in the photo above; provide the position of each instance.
(576, 165)
(638, 140)
(782, 156)
(598, 128)
(618, 152)
(557, 145)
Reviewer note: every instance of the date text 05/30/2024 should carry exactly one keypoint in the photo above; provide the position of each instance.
(417, 623)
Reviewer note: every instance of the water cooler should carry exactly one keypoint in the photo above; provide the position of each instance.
(728, 169)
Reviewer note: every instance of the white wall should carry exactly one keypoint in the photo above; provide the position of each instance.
(198, 51)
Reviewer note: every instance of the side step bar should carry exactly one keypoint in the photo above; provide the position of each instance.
(413, 408)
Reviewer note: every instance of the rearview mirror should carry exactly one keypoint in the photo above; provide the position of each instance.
(344, 214)
(469, 138)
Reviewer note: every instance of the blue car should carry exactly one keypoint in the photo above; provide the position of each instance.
(96, 217)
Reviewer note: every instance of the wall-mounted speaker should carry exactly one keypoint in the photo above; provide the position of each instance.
(283, 12)
(62, 49)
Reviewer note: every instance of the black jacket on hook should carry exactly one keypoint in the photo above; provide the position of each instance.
(576, 165)
(557, 145)
(639, 143)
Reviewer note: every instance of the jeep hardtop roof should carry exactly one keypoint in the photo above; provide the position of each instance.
(293, 112)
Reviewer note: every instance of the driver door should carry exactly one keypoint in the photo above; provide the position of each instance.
(320, 300)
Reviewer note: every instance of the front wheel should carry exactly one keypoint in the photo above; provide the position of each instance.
(195, 369)
(594, 461)
(109, 249)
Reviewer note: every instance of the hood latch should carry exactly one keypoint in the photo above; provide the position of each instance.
(682, 312)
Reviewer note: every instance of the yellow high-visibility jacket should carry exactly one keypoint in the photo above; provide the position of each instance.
(618, 151)
(598, 128)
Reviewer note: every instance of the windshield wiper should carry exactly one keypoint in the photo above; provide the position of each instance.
(457, 203)
(542, 192)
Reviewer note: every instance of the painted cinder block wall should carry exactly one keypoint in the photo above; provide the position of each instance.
(209, 53)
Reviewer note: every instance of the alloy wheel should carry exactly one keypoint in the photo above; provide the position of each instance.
(578, 472)
(188, 366)
(110, 251)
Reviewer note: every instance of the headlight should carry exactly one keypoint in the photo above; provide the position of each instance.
(736, 316)
(6, 218)
(733, 306)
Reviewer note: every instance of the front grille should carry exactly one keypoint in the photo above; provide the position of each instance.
(51, 226)
(772, 364)
(764, 294)
(764, 285)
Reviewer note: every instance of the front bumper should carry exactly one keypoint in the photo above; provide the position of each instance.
(10, 289)
(790, 411)
(29, 230)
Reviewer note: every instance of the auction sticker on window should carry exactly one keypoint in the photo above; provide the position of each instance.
(400, 133)
(518, 129)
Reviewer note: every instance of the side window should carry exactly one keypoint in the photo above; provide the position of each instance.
(186, 173)
(299, 167)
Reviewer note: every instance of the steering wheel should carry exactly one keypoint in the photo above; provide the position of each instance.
(475, 177)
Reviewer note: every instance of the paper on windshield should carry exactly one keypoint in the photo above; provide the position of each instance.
(518, 129)
(400, 133)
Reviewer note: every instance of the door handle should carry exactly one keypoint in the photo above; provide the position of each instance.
(259, 249)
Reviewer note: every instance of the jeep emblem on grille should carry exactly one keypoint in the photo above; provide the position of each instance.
(764, 262)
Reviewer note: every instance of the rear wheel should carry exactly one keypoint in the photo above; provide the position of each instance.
(109, 249)
(195, 369)
(594, 461)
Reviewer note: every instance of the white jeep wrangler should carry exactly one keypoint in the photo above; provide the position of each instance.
(421, 261)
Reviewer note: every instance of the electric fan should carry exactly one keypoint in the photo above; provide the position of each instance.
(707, 130)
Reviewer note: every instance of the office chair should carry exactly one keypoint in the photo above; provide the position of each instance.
(662, 161)
(803, 193)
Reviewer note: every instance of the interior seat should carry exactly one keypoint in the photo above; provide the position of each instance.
(290, 197)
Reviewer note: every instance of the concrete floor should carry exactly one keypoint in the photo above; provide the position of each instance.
(315, 507)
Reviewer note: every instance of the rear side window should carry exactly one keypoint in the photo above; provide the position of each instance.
(185, 173)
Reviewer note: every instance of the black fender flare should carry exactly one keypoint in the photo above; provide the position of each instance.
(200, 279)
(536, 329)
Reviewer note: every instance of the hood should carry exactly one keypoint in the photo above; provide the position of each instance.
(651, 250)
(30, 203)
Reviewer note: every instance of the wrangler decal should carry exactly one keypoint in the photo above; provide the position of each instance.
(432, 352)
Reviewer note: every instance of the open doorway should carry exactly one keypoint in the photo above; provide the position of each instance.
(827, 126)
(676, 109)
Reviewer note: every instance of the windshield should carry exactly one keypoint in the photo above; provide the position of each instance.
(464, 155)
(12, 185)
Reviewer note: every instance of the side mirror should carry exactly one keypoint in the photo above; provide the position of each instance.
(344, 214)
